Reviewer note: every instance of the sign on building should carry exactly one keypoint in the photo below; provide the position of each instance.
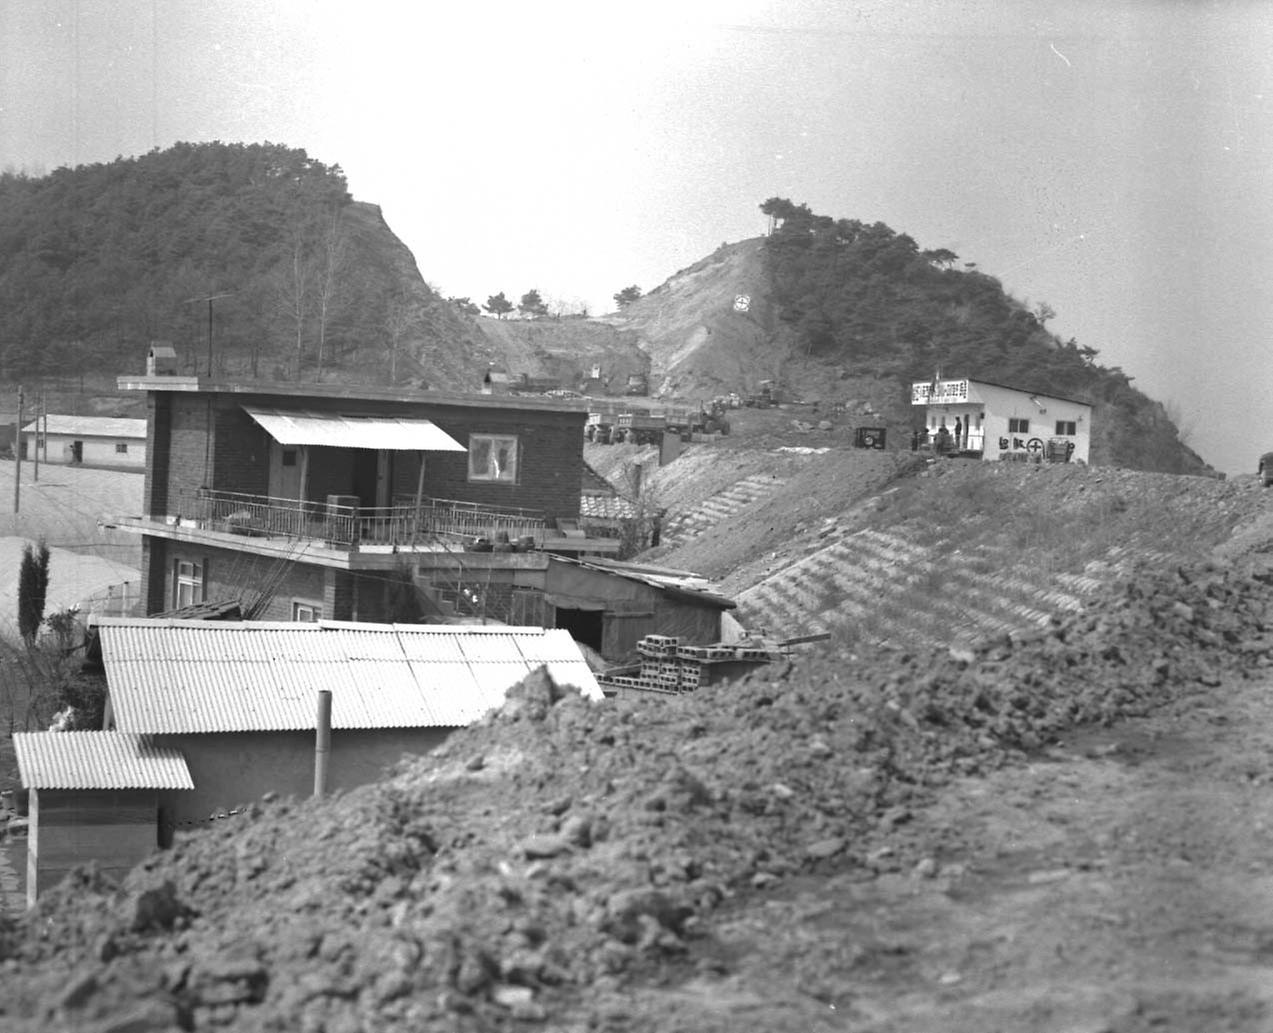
(939, 392)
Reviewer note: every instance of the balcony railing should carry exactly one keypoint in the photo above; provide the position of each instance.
(341, 522)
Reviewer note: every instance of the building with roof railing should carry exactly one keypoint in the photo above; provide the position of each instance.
(320, 501)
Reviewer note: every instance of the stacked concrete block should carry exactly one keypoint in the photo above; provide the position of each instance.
(668, 667)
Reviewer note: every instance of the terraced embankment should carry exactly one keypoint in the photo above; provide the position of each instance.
(888, 548)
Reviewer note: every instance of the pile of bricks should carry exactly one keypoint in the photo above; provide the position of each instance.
(669, 667)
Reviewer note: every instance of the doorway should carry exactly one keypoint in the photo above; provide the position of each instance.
(585, 626)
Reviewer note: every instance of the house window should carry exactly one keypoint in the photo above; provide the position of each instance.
(492, 458)
(289, 457)
(1066, 428)
(121, 447)
(306, 611)
(1016, 426)
(188, 587)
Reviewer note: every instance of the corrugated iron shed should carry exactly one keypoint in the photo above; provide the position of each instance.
(98, 760)
(171, 676)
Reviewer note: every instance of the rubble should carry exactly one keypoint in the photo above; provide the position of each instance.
(594, 843)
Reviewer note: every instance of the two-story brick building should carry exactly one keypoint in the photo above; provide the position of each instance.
(314, 501)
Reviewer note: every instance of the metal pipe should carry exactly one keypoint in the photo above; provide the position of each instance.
(322, 741)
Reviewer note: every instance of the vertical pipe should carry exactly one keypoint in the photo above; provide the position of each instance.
(322, 741)
(17, 455)
(39, 403)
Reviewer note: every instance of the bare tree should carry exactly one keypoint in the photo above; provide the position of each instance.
(329, 278)
(400, 319)
(294, 287)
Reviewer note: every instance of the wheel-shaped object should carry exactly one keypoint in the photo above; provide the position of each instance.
(1035, 444)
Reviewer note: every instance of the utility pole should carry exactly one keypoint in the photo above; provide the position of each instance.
(17, 455)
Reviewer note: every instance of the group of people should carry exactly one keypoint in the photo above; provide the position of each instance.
(943, 441)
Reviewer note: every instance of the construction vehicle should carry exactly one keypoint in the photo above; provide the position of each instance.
(766, 396)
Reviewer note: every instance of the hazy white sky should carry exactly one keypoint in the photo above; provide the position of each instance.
(1113, 159)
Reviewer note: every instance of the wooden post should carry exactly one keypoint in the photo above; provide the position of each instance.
(419, 501)
(322, 741)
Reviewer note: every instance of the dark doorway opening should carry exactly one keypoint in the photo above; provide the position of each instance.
(584, 625)
(364, 472)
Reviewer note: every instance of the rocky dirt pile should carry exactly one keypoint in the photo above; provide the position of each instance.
(548, 861)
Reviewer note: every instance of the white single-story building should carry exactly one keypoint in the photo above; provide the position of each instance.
(999, 422)
(87, 440)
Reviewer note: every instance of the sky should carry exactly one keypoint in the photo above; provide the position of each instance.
(1111, 159)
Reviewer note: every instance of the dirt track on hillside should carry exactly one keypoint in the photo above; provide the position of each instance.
(908, 841)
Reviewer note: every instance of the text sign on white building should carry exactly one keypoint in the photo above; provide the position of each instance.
(948, 392)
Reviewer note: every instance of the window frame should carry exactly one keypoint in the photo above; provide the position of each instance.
(492, 442)
(121, 447)
(1018, 425)
(1062, 432)
(316, 608)
(196, 580)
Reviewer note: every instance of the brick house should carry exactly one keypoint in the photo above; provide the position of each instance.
(321, 501)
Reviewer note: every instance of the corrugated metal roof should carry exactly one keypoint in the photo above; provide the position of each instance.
(98, 760)
(90, 426)
(221, 676)
(302, 427)
(681, 584)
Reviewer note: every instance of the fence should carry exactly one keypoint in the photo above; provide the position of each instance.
(341, 521)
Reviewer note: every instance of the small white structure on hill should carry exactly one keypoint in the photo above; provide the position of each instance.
(976, 417)
(87, 440)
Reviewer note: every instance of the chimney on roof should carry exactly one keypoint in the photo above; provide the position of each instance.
(161, 360)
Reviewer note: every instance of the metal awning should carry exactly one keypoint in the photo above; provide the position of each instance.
(303, 427)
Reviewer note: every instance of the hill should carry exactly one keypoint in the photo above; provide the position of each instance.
(304, 282)
(255, 262)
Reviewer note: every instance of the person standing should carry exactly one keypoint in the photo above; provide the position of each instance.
(959, 430)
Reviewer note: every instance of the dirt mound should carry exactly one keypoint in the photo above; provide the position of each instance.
(561, 856)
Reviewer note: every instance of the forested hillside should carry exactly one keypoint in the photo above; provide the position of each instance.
(869, 298)
(98, 261)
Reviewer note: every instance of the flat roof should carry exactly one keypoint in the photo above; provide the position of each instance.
(89, 426)
(345, 393)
